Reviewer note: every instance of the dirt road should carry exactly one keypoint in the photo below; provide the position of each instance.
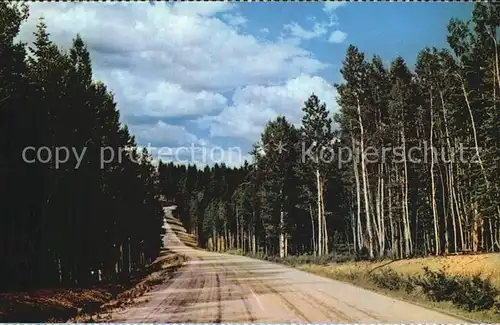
(214, 288)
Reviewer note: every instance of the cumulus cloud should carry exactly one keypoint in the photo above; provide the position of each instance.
(182, 44)
(201, 8)
(295, 30)
(180, 60)
(165, 99)
(332, 6)
(163, 134)
(235, 19)
(320, 28)
(253, 106)
(175, 143)
(337, 36)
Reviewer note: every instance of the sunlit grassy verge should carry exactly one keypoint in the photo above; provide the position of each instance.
(466, 286)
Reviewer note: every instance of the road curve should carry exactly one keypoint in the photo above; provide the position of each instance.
(215, 288)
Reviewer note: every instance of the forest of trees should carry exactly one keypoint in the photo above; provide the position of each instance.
(68, 226)
(61, 225)
(398, 207)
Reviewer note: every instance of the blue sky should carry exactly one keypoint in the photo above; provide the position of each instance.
(210, 75)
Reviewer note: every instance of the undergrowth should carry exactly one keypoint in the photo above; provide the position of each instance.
(469, 293)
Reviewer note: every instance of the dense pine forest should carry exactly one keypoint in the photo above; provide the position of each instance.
(67, 225)
(76, 224)
(301, 196)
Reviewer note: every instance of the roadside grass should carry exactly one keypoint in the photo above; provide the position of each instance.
(464, 286)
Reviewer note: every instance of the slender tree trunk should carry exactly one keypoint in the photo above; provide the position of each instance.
(226, 240)
(408, 239)
(400, 229)
(254, 240)
(445, 216)
(320, 228)
(482, 236)
(391, 221)
(468, 233)
(312, 228)
(404, 239)
(325, 230)
(433, 185)
(249, 239)
(359, 225)
(452, 208)
(365, 186)
(450, 172)
(492, 234)
(475, 228)
(242, 235)
(474, 132)
(379, 200)
(382, 213)
(286, 245)
(237, 229)
(459, 217)
(282, 236)
(353, 229)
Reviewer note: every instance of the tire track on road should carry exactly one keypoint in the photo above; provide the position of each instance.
(176, 304)
(287, 303)
(327, 310)
(365, 312)
(219, 302)
(243, 293)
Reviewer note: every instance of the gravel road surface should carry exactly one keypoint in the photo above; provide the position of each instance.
(215, 288)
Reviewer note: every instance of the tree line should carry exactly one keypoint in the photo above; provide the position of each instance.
(67, 225)
(439, 202)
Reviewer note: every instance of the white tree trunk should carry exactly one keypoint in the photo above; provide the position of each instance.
(320, 219)
(433, 185)
(359, 226)
(365, 187)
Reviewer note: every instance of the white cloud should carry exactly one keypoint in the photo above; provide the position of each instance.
(235, 19)
(174, 101)
(171, 60)
(295, 30)
(253, 106)
(163, 134)
(175, 143)
(201, 8)
(337, 36)
(180, 44)
(165, 99)
(319, 28)
(331, 6)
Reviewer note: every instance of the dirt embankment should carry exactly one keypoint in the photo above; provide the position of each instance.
(94, 304)
(84, 304)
